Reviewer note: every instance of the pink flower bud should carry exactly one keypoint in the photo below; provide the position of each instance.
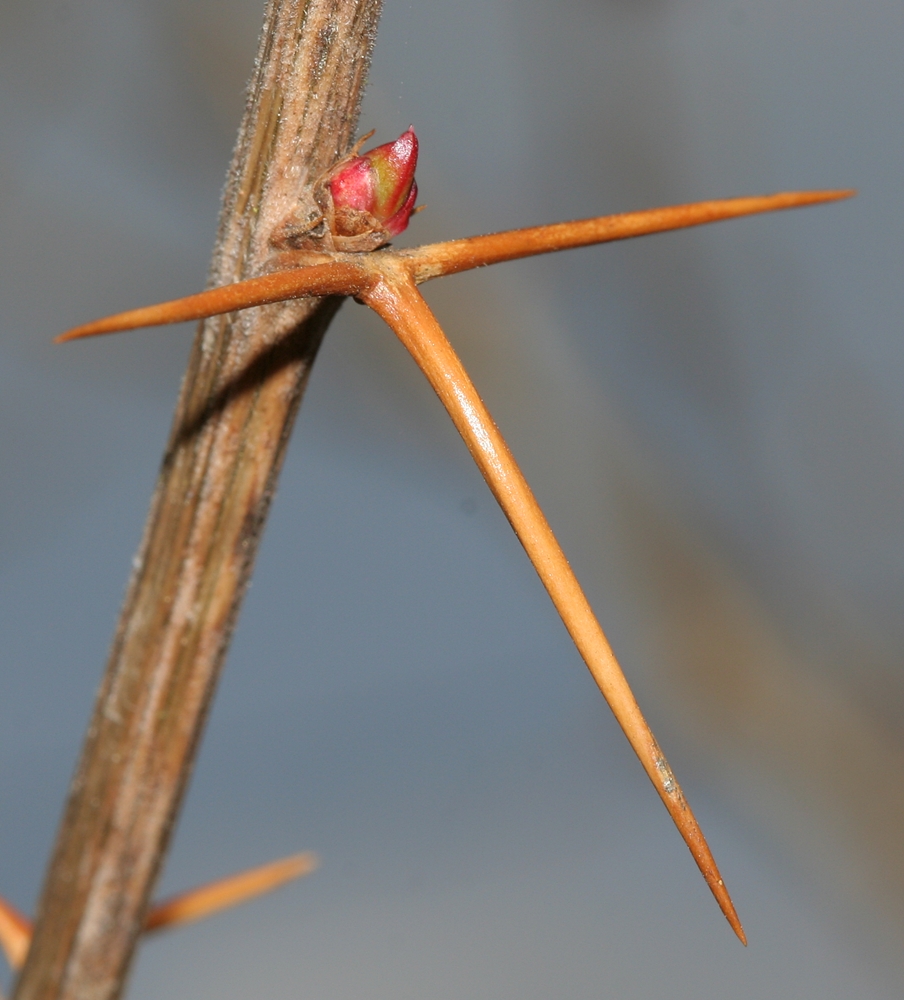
(376, 191)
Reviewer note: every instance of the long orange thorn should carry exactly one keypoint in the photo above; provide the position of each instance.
(405, 311)
(309, 273)
(386, 281)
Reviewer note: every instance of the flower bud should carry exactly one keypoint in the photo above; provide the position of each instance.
(375, 193)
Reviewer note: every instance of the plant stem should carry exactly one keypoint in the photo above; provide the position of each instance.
(242, 389)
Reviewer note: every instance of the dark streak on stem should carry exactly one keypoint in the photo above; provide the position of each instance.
(207, 512)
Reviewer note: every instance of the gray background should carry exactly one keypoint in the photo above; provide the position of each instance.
(713, 421)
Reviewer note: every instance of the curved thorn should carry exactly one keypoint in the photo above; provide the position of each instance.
(226, 892)
(477, 251)
(332, 278)
(401, 305)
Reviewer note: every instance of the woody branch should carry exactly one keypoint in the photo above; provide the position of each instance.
(206, 517)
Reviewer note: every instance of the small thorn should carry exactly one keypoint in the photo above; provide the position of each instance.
(16, 928)
(230, 891)
(15, 934)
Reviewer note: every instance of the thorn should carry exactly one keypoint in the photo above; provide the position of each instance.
(673, 798)
(197, 903)
(230, 891)
(322, 275)
(386, 281)
(438, 259)
(349, 274)
(401, 305)
(15, 934)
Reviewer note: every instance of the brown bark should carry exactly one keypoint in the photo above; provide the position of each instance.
(239, 398)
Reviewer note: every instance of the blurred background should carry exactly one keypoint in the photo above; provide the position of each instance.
(713, 421)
